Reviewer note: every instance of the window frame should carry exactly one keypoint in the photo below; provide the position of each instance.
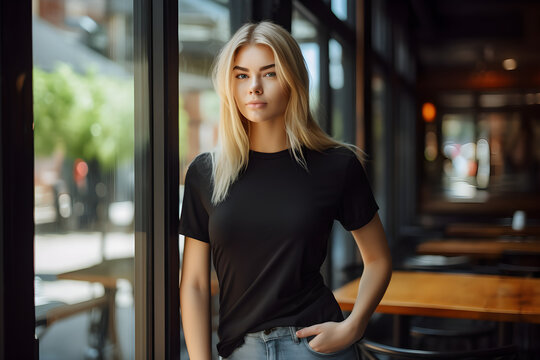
(17, 327)
(157, 299)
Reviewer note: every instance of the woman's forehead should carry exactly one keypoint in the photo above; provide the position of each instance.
(253, 54)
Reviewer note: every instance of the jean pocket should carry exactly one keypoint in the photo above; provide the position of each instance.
(306, 341)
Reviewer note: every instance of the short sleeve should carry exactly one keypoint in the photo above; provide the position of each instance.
(357, 205)
(194, 217)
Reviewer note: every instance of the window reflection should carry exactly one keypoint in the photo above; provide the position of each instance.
(83, 139)
(379, 108)
(339, 8)
(337, 81)
(306, 35)
(381, 30)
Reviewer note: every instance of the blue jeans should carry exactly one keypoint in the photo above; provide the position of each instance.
(281, 343)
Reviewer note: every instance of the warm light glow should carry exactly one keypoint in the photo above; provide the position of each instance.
(428, 112)
(509, 64)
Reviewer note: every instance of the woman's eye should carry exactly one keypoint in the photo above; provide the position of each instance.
(241, 76)
(271, 74)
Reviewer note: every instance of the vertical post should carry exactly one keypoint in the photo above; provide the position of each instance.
(157, 316)
(143, 290)
(17, 325)
(166, 179)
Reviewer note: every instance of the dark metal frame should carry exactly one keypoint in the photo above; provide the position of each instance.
(17, 325)
(157, 316)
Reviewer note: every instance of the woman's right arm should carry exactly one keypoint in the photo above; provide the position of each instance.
(195, 299)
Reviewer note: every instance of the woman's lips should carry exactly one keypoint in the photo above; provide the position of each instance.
(256, 105)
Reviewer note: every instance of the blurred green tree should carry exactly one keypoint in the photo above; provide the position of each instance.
(88, 116)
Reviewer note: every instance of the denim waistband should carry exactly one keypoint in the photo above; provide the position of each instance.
(277, 332)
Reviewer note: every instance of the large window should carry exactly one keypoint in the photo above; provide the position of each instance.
(84, 179)
(104, 196)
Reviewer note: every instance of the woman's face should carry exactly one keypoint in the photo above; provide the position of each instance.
(257, 90)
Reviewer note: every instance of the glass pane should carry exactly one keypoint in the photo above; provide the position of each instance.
(84, 179)
(380, 28)
(337, 80)
(305, 34)
(404, 62)
(203, 30)
(339, 8)
(379, 107)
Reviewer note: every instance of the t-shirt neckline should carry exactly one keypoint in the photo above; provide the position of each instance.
(266, 155)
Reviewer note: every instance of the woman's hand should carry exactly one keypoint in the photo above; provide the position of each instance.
(330, 336)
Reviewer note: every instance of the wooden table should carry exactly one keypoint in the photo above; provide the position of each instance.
(489, 230)
(108, 273)
(484, 297)
(487, 297)
(484, 248)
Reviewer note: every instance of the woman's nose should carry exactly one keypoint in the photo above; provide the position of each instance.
(255, 87)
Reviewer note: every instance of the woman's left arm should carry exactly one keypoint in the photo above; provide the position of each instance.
(333, 336)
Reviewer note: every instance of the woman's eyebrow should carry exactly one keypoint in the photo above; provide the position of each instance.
(261, 69)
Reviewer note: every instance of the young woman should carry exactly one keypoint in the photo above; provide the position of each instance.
(263, 204)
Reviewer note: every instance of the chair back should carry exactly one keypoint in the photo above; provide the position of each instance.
(373, 351)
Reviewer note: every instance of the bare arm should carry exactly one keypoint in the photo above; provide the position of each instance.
(373, 247)
(195, 299)
(332, 336)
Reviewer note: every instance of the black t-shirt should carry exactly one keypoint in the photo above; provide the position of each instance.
(269, 237)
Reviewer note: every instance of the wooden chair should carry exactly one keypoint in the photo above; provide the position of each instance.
(50, 312)
(447, 332)
(373, 351)
(102, 326)
(519, 263)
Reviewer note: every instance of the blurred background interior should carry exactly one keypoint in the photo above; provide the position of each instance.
(443, 95)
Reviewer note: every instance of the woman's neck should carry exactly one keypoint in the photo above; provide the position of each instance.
(268, 136)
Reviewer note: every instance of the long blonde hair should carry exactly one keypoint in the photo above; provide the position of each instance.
(232, 152)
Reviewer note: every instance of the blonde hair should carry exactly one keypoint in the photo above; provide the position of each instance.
(232, 152)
